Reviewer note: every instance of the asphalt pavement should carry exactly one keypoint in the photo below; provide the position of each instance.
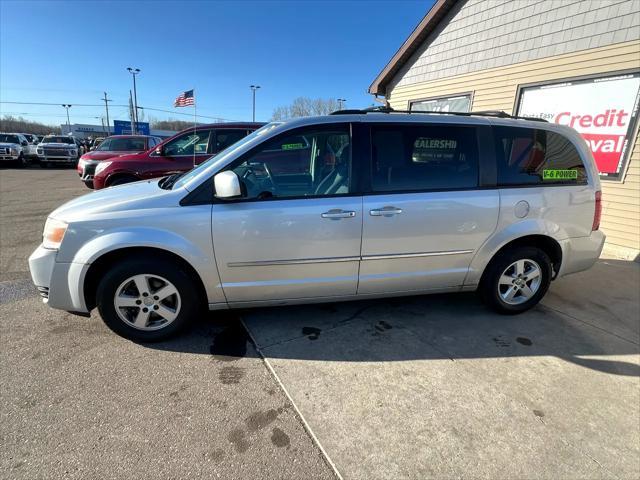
(418, 387)
(77, 401)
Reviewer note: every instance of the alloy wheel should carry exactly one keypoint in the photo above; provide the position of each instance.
(520, 281)
(147, 302)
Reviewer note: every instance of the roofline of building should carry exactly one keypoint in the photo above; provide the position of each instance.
(428, 23)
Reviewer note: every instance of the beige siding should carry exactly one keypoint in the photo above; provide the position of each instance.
(495, 89)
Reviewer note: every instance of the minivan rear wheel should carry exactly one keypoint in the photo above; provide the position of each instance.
(516, 280)
(147, 301)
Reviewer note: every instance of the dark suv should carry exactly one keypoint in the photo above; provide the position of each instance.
(177, 154)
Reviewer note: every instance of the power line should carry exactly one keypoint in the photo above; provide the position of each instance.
(120, 105)
(57, 104)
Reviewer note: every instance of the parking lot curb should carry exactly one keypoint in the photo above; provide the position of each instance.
(306, 426)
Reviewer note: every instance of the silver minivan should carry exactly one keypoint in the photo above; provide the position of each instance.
(353, 205)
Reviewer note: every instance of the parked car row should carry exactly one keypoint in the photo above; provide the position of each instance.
(22, 148)
(355, 205)
(128, 158)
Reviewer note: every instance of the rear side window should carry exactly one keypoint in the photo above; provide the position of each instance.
(424, 157)
(527, 156)
(226, 138)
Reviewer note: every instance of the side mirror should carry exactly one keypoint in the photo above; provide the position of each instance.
(159, 150)
(24, 143)
(227, 185)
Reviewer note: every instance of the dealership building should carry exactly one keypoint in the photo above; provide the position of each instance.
(574, 62)
(83, 130)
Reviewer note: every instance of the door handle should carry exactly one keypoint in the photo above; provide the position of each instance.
(385, 212)
(336, 214)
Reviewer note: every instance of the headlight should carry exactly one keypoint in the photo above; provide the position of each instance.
(53, 234)
(101, 166)
(81, 163)
(14, 151)
(73, 153)
(40, 151)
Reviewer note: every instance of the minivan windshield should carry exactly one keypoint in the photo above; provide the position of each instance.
(122, 145)
(220, 157)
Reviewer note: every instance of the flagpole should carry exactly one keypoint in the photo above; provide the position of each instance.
(195, 123)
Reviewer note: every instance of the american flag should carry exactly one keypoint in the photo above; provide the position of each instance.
(185, 99)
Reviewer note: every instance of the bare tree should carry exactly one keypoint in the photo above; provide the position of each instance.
(9, 123)
(170, 124)
(304, 107)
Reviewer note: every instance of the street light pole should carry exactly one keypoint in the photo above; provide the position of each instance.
(341, 102)
(67, 106)
(134, 72)
(253, 89)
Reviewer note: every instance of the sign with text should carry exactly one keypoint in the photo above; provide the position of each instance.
(123, 127)
(604, 110)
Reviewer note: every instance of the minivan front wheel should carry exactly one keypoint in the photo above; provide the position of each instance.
(146, 300)
(516, 280)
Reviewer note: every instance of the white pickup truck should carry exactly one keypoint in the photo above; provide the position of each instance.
(58, 149)
(13, 148)
(31, 150)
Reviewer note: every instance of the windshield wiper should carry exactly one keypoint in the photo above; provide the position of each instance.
(167, 182)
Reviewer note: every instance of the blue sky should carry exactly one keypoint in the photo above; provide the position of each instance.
(70, 52)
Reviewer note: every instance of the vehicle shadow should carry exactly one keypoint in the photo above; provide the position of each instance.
(587, 319)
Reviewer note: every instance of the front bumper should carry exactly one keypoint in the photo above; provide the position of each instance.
(87, 171)
(60, 284)
(8, 157)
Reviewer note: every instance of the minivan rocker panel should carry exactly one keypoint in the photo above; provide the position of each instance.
(332, 208)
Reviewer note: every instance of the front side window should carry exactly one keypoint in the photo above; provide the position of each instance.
(527, 156)
(188, 144)
(425, 157)
(307, 164)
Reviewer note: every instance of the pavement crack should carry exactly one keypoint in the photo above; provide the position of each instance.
(546, 307)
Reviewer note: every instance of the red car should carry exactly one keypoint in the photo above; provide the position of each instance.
(112, 147)
(177, 154)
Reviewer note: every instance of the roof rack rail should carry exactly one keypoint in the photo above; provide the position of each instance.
(484, 113)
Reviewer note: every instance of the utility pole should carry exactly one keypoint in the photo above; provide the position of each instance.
(253, 89)
(102, 121)
(341, 102)
(134, 72)
(132, 115)
(106, 106)
(67, 106)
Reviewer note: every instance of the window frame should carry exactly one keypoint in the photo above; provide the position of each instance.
(469, 94)
(213, 138)
(205, 193)
(178, 137)
(485, 149)
(541, 184)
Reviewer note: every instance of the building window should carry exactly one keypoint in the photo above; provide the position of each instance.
(456, 103)
(603, 109)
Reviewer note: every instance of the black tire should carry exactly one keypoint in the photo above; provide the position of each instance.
(489, 289)
(122, 180)
(190, 301)
(22, 161)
